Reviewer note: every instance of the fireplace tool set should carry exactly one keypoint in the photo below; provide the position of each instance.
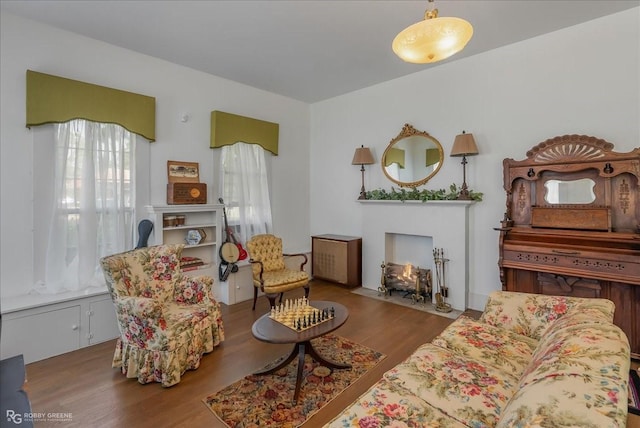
(383, 281)
(442, 290)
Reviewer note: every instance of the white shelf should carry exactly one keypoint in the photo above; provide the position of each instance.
(204, 244)
(189, 226)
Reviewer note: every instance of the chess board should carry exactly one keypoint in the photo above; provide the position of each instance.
(300, 316)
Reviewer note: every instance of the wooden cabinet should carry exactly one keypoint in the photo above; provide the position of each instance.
(589, 248)
(337, 258)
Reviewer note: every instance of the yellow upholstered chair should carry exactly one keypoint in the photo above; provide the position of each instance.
(167, 320)
(270, 274)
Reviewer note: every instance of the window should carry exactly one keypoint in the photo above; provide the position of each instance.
(90, 212)
(244, 185)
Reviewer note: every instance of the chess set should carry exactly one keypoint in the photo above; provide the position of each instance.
(299, 315)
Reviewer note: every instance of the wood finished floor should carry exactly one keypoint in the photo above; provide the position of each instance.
(83, 383)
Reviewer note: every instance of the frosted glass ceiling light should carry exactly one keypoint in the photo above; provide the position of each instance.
(433, 39)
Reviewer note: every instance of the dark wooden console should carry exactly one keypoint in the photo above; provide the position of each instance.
(337, 258)
(572, 225)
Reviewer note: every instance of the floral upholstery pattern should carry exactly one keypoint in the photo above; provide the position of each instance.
(167, 320)
(504, 349)
(531, 314)
(270, 273)
(530, 361)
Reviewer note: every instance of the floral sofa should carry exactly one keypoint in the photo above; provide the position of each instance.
(529, 361)
(167, 320)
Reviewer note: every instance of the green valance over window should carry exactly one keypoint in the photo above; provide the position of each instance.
(52, 99)
(433, 157)
(227, 129)
(394, 156)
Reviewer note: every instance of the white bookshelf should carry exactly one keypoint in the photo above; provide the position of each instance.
(204, 217)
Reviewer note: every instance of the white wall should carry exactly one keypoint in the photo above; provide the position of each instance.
(583, 79)
(26, 45)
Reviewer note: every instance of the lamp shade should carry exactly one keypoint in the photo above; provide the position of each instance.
(432, 39)
(362, 156)
(464, 145)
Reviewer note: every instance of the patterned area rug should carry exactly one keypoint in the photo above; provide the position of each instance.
(267, 400)
(634, 392)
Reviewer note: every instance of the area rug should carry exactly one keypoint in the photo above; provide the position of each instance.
(634, 392)
(267, 400)
(398, 298)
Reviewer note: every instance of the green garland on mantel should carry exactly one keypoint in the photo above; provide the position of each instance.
(419, 195)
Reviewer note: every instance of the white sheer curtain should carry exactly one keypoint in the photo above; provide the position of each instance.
(94, 200)
(245, 188)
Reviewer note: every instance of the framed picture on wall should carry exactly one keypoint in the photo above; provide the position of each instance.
(183, 172)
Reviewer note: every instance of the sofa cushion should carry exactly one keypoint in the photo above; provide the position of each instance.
(387, 404)
(580, 347)
(470, 391)
(531, 314)
(503, 349)
(567, 401)
(577, 376)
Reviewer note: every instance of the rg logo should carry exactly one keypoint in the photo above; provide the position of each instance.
(14, 417)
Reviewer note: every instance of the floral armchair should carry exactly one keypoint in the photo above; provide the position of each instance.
(167, 320)
(270, 273)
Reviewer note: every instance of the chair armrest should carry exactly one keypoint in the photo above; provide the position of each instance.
(141, 320)
(257, 268)
(142, 307)
(193, 290)
(298, 255)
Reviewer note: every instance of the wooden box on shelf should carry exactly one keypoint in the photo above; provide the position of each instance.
(337, 258)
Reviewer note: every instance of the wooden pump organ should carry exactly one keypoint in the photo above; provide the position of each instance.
(572, 225)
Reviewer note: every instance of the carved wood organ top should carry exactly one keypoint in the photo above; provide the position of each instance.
(572, 225)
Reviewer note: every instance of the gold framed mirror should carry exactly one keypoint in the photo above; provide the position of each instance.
(412, 158)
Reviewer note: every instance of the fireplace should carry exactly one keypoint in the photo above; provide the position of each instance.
(407, 232)
(410, 281)
(407, 260)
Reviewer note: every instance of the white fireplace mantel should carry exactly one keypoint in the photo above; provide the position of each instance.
(446, 222)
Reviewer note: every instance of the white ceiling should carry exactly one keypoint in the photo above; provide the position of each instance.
(306, 50)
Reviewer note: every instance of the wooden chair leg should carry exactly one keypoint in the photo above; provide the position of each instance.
(255, 297)
(272, 300)
(281, 296)
(306, 291)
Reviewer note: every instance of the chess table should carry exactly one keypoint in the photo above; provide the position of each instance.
(269, 330)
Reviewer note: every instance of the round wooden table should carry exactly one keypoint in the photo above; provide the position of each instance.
(271, 331)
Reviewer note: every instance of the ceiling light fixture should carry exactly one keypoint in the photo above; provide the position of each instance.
(433, 39)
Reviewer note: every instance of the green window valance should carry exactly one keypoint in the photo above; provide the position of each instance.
(394, 156)
(433, 157)
(227, 129)
(53, 99)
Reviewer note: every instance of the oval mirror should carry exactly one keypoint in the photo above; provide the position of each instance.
(412, 158)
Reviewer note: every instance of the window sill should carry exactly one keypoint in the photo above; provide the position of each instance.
(28, 301)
